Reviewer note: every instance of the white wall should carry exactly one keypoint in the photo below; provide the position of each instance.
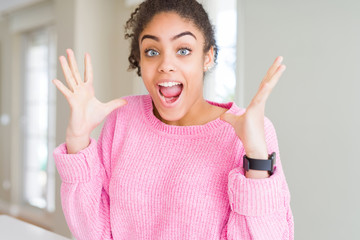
(314, 107)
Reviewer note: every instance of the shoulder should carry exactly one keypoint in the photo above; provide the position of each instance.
(134, 100)
(269, 126)
(133, 108)
(134, 104)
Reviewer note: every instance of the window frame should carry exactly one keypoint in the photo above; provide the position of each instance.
(49, 31)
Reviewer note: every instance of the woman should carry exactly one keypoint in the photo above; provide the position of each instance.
(169, 165)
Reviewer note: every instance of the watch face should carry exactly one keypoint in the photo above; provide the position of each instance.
(260, 164)
(273, 161)
(245, 163)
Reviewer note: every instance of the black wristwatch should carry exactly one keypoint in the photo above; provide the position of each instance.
(260, 164)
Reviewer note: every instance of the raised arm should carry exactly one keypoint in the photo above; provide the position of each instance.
(83, 164)
(260, 208)
(260, 203)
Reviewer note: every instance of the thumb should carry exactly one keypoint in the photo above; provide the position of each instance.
(112, 105)
(229, 117)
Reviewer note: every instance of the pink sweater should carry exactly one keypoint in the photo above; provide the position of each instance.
(145, 179)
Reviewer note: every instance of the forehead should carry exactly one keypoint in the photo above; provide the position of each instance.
(166, 25)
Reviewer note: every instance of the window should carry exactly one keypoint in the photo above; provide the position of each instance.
(38, 115)
(220, 84)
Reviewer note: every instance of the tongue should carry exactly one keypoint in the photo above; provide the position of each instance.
(171, 91)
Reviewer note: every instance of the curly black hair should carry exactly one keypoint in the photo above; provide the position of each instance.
(144, 13)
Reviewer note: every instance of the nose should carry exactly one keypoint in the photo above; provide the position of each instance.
(167, 64)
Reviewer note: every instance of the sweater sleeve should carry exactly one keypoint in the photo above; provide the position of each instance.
(85, 185)
(260, 208)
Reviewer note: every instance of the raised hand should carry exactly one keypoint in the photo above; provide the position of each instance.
(249, 126)
(87, 112)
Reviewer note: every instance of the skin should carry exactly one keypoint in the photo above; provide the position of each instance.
(86, 111)
(177, 54)
(249, 126)
(168, 61)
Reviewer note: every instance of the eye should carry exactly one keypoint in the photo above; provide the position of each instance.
(184, 51)
(151, 52)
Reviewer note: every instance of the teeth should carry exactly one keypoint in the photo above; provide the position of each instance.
(169, 84)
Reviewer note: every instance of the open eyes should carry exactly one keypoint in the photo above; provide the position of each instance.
(181, 52)
(184, 51)
(151, 52)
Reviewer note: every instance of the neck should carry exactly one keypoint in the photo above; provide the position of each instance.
(197, 115)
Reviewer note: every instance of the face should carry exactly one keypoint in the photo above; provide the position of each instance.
(172, 62)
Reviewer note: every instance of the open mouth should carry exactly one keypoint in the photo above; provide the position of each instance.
(170, 91)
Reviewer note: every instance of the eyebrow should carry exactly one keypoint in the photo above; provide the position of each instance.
(172, 39)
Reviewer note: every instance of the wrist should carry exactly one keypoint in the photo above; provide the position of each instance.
(258, 152)
(257, 174)
(258, 155)
(259, 167)
(76, 144)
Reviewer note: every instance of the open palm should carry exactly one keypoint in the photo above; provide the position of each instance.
(249, 126)
(87, 111)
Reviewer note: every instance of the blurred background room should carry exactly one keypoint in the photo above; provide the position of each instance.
(315, 107)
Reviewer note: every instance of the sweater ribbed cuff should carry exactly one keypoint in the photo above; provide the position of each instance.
(254, 197)
(79, 167)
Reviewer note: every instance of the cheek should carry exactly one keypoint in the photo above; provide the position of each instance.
(146, 72)
(148, 77)
(195, 73)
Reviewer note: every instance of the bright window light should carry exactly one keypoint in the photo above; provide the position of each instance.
(38, 119)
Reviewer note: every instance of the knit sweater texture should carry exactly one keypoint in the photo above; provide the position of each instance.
(144, 179)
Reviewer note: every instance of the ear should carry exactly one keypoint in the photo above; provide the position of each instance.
(209, 59)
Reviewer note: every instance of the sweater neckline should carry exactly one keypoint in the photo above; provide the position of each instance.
(186, 130)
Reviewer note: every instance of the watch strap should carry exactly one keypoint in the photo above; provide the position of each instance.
(260, 164)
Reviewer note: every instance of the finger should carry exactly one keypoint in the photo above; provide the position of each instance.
(230, 118)
(275, 78)
(267, 87)
(112, 105)
(88, 69)
(62, 88)
(272, 69)
(73, 66)
(67, 73)
(260, 98)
